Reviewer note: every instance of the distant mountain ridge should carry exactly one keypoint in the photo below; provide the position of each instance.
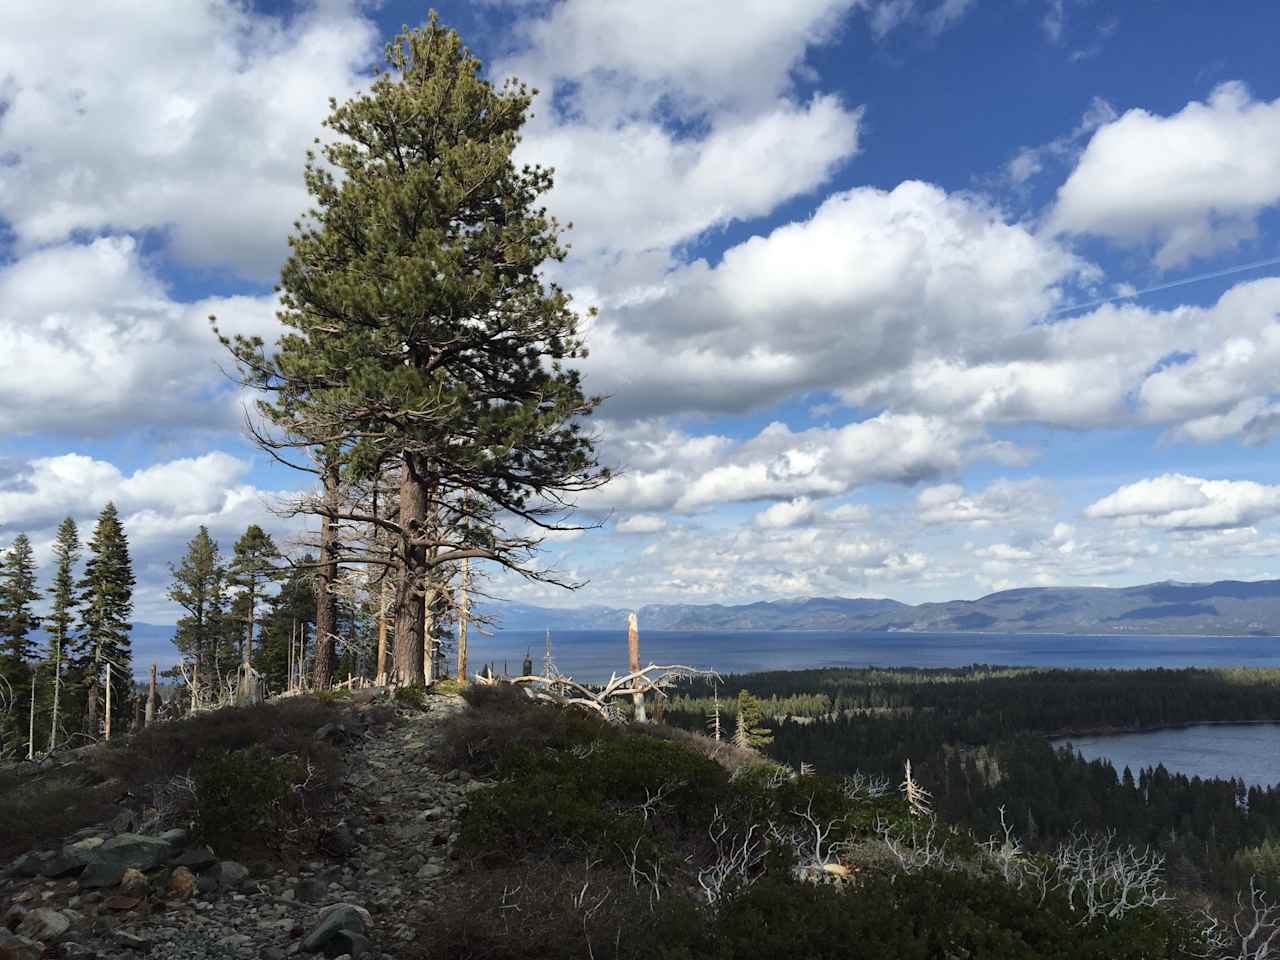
(1222, 608)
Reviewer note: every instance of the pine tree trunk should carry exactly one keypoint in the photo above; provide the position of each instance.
(406, 666)
(326, 602)
(633, 662)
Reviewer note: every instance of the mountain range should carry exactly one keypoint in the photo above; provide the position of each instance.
(1222, 608)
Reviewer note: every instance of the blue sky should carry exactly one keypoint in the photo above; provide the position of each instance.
(835, 246)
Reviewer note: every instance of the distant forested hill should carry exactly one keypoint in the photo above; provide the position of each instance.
(1224, 608)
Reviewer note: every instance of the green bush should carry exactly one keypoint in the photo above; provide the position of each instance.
(242, 796)
(414, 697)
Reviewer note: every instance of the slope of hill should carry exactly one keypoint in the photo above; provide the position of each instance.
(1223, 608)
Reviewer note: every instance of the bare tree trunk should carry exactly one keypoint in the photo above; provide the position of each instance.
(382, 630)
(31, 721)
(633, 662)
(464, 618)
(429, 635)
(195, 684)
(326, 576)
(106, 730)
(406, 666)
(151, 697)
(57, 685)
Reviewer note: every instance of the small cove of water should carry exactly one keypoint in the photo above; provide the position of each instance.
(1250, 751)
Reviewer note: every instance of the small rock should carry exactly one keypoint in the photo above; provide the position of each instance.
(124, 821)
(175, 837)
(182, 883)
(429, 871)
(13, 916)
(44, 924)
(132, 941)
(229, 873)
(133, 883)
(121, 903)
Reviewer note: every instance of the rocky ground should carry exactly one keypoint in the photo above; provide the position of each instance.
(111, 892)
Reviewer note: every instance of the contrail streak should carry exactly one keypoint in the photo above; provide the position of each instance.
(1168, 286)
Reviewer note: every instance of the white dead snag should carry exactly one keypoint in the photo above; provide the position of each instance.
(106, 730)
(633, 663)
(382, 630)
(918, 798)
(565, 691)
(464, 616)
(713, 724)
(31, 721)
(738, 860)
(194, 684)
(57, 684)
(151, 697)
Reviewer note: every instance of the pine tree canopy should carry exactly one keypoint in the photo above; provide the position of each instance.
(420, 329)
(106, 595)
(17, 594)
(198, 586)
(62, 594)
(255, 559)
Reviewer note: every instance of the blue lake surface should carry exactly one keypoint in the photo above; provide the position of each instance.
(592, 655)
(1248, 751)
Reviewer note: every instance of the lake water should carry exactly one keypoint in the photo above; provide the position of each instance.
(1249, 751)
(593, 654)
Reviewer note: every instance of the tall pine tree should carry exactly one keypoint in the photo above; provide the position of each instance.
(422, 336)
(103, 645)
(199, 587)
(17, 647)
(254, 566)
(63, 599)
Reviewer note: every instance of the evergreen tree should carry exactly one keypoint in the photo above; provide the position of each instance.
(750, 730)
(17, 593)
(106, 596)
(63, 599)
(17, 648)
(290, 615)
(422, 335)
(199, 587)
(253, 566)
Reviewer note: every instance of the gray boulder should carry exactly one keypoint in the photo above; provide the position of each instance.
(336, 919)
(133, 850)
(44, 924)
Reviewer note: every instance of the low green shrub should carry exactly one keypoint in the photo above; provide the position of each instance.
(243, 796)
(414, 697)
